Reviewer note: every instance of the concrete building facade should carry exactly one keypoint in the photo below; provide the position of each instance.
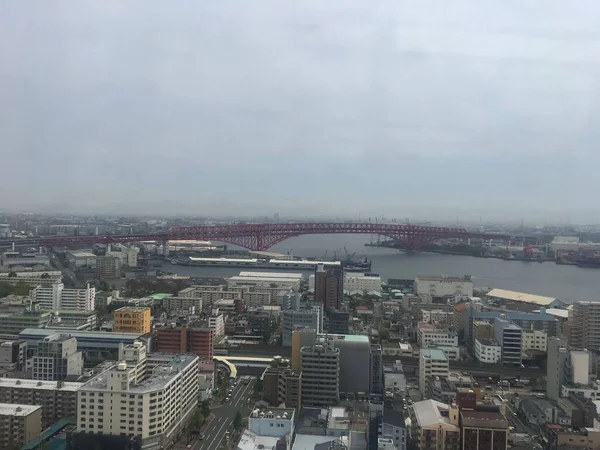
(56, 296)
(509, 336)
(132, 319)
(310, 316)
(320, 373)
(19, 424)
(57, 358)
(443, 286)
(432, 363)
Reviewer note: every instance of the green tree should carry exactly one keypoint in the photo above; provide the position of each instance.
(197, 420)
(384, 334)
(12, 275)
(237, 421)
(20, 289)
(258, 385)
(205, 408)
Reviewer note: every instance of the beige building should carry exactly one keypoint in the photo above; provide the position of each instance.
(432, 363)
(534, 340)
(431, 427)
(443, 286)
(19, 424)
(141, 396)
(182, 303)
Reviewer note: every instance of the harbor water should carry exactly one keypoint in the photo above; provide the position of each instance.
(568, 283)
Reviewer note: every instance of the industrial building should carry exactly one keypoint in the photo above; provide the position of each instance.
(81, 258)
(443, 286)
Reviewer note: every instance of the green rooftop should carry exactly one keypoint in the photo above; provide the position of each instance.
(160, 296)
(434, 353)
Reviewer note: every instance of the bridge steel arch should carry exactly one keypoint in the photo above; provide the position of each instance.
(260, 237)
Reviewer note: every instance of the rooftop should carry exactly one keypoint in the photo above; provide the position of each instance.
(252, 441)
(8, 409)
(271, 275)
(483, 419)
(428, 412)
(158, 379)
(19, 383)
(435, 354)
(82, 254)
(521, 297)
(39, 333)
(562, 313)
(346, 337)
(488, 342)
(309, 441)
(160, 295)
(442, 278)
(133, 308)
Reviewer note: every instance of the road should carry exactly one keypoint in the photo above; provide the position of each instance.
(223, 417)
(68, 273)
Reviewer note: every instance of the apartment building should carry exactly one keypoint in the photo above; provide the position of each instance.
(329, 287)
(488, 351)
(320, 373)
(483, 430)
(585, 325)
(155, 409)
(108, 267)
(432, 363)
(182, 303)
(56, 296)
(216, 321)
(57, 358)
(19, 424)
(435, 334)
(57, 399)
(132, 319)
(437, 315)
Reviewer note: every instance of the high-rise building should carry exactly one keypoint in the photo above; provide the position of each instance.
(376, 372)
(108, 267)
(555, 366)
(585, 325)
(154, 409)
(306, 315)
(301, 337)
(13, 355)
(132, 319)
(216, 321)
(320, 373)
(329, 287)
(338, 322)
(19, 424)
(432, 363)
(375, 426)
(57, 358)
(509, 336)
(56, 297)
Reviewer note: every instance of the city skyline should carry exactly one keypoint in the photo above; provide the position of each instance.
(410, 110)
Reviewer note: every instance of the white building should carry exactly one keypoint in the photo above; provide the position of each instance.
(155, 408)
(216, 321)
(127, 255)
(274, 422)
(437, 315)
(534, 340)
(57, 297)
(360, 282)
(265, 281)
(443, 286)
(432, 363)
(430, 334)
(81, 259)
(32, 278)
(487, 351)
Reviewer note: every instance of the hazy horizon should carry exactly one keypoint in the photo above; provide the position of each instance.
(428, 110)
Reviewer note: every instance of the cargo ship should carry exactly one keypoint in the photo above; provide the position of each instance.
(255, 263)
(362, 265)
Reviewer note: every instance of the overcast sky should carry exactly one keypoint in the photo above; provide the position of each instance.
(429, 109)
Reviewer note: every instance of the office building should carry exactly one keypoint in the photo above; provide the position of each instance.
(19, 424)
(13, 355)
(57, 399)
(155, 408)
(329, 287)
(375, 428)
(443, 286)
(431, 427)
(320, 373)
(132, 319)
(429, 334)
(536, 340)
(196, 338)
(488, 351)
(338, 322)
(306, 315)
(509, 336)
(42, 278)
(56, 296)
(432, 363)
(108, 267)
(282, 385)
(585, 325)
(57, 358)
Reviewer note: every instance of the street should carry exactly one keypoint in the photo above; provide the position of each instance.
(224, 415)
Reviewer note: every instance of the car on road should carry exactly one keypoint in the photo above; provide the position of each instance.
(201, 437)
(227, 398)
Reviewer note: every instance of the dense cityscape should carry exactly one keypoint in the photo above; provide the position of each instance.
(101, 346)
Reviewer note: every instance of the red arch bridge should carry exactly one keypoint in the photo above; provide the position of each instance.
(260, 237)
